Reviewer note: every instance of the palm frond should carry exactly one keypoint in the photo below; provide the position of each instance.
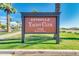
(7, 7)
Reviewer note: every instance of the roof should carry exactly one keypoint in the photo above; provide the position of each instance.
(40, 13)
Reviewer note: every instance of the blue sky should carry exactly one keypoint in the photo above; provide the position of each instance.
(69, 12)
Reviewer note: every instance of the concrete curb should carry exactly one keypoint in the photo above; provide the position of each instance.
(40, 52)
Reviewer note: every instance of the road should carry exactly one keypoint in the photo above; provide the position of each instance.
(8, 35)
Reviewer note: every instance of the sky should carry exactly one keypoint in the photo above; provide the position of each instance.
(69, 16)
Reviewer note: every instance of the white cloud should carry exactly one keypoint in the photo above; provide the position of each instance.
(13, 23)
(3, 17)
(3, 21)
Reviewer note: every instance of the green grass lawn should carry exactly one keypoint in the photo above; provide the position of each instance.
(69, 41)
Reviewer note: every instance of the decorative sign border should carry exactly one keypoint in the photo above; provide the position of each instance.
(25, 14)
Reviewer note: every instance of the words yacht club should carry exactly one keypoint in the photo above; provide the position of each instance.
(40, 22)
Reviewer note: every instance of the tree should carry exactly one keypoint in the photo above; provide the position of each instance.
(7, 7)
(3, 26)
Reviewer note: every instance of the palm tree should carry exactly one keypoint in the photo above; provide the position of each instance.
(2, 6)
(7, 7)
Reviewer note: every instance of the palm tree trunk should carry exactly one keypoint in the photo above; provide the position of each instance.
(8, 22)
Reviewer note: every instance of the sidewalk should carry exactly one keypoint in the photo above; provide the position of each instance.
(40, 52)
